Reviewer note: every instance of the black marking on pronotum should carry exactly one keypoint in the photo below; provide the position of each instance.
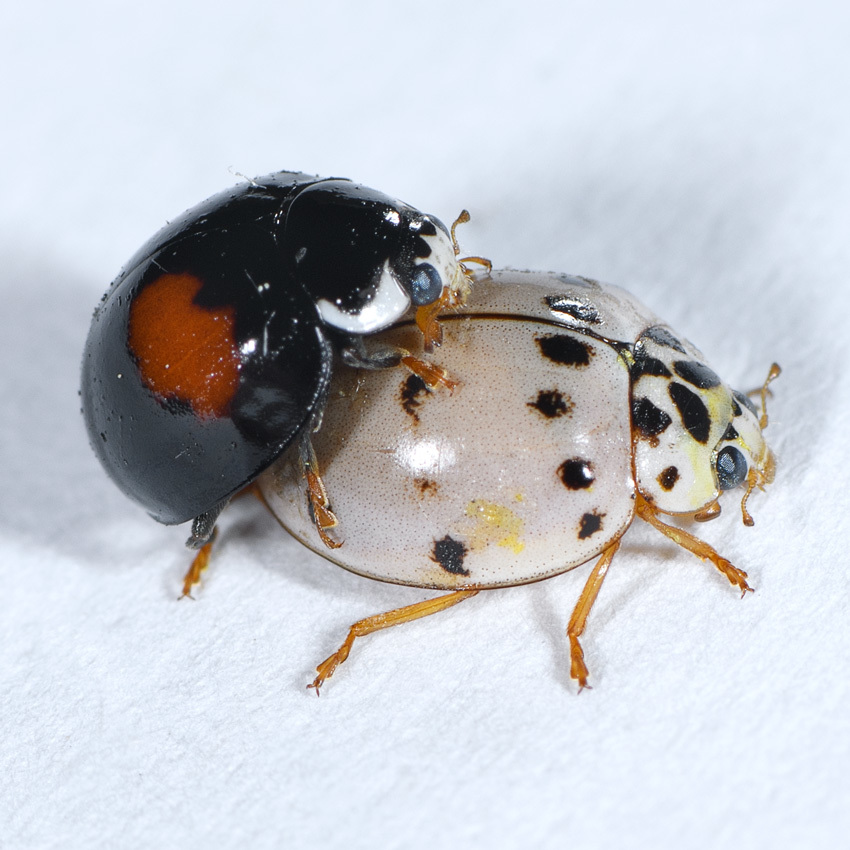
(649, 420)
(589, 525)
(729, 434)
(551, 403)
(746, 401)
(668, 477)
(663, 337)
(565, 350)
(449, 554)
(579, 310)
(422, 249)
(692, 411)
(576, 473)
(427, 228)
(696, 373)
(412, 387)
(644, 365)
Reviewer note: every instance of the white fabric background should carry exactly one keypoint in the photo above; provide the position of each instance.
(699, 158)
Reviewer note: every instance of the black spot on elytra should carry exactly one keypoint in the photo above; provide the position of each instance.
(565, 350)
(644, 365)
(425, 486)
(746, 401)
(573, 307)
(729, 434)
(413, 392)
(576, 473)
(696, 373)
(668, 478)
(692, 411)
(662, 336)
(449, 554)
(589, 525)
(649, 420)
(551, 403)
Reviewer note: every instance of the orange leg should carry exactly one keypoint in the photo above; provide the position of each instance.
(432, 374)
(693, 544)
(202, 559)
(578, 620)
(199, 563)
(426, 318)
(320, 507)
(708, 513)
(451, 296)
(383, 621)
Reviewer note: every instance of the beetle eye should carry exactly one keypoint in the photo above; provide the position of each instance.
(731, 468)
(426, 285)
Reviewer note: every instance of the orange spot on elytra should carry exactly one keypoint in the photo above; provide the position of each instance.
(184, 351)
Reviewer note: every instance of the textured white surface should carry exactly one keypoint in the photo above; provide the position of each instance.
(698, 158)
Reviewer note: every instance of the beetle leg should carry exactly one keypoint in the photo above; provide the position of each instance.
(204, 532)
(199, 563)
(317, 497)
(383, 621)
(203, 526)
(693, 544)
(578, 620)
(427, 316)
(388, 357)
(452, 296)
(708, 513)
(380, 357)
(427, 322)
(430, 373)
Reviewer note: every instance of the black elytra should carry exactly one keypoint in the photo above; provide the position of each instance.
(209, 355)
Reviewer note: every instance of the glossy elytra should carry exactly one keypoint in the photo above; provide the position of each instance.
(212, 351)
(253, 341)
(575, 409)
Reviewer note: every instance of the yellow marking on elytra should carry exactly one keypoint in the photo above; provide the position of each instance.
(494, 524)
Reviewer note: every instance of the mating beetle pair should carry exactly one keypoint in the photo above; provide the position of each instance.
(282, 335)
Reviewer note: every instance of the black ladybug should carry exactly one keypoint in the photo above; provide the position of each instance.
(212, 350)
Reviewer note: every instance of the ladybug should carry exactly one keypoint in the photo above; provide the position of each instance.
(576, 410)
(212, 351)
